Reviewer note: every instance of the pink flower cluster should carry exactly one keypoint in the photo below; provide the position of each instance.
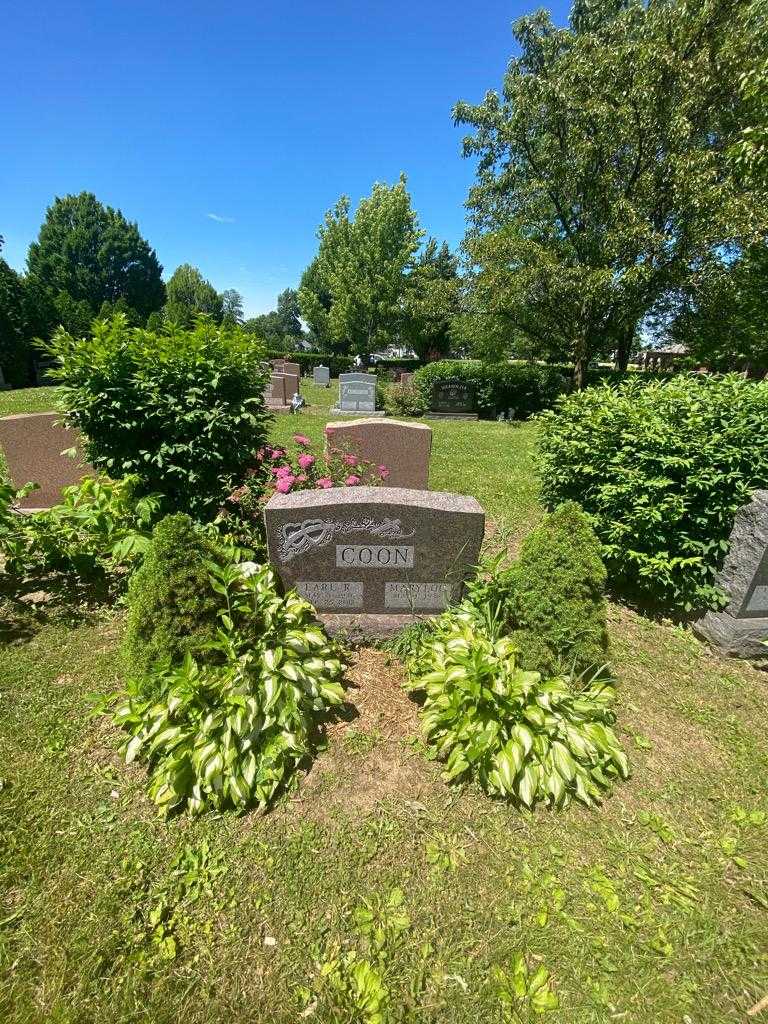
(282, 472)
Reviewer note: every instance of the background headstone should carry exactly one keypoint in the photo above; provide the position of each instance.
(322, 375)
(292, 385)
(275, 397)
(278, 364)
(404, 448)
(357, 393)
(452, 399)
(32, 444)
(743, 624)
(293, 368)
(406, 379)
(377, 555)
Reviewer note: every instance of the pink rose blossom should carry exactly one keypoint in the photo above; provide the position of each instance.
(260, 454)
(302, 440)
(352, 480)
(325, 481)
(305, 461)
(301, 478)
(277, 453)
(282, 471)
(383, 472)
(349, 460)
(285, 483)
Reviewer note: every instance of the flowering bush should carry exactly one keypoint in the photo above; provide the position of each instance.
(279, 471)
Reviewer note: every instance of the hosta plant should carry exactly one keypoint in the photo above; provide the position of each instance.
(231, 732)
(521, 736)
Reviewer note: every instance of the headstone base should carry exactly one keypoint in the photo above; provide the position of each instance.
(450, 416)
(368, 627)
(358, 412)
(740, 638)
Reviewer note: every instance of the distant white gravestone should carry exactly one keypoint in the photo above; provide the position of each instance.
(321, 375)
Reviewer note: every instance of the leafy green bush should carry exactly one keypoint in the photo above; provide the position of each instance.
(662, 469)
(521, 736)
(172, 606)
(99, 528)
(231, 730)
(524, 388)
(403, 400)
(558, 595)
(181, 409)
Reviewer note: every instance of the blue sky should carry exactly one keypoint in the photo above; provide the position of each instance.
(227, 130)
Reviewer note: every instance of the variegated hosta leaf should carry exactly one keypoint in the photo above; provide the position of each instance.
(522, 737)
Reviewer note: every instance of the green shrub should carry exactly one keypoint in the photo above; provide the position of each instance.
(523, 388)
(172, 607)
(662, 469)
(521, 736)
(558, 595)
(181, 409)
(98, 532)
(231, 728)
(403, 400)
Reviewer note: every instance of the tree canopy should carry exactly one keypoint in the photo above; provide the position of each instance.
(362, 264)
(431, 300)
(189, 294)
(87, 254)
(605, 177)
(15, 351)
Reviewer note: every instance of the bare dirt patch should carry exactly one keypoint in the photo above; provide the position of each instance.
(370, 757)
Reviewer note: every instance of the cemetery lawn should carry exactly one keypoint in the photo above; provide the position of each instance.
(652, 909)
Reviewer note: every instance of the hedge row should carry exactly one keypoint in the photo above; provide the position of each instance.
(517, 388)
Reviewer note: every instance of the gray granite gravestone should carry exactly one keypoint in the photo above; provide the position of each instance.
(452, 399)
(357, 393)
(743, 624)
(404, 448)
(321, 375)
(33, 444)
(374, 558)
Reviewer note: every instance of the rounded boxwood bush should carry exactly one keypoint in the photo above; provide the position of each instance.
(558, 595)
(172, 607)
(661, 468)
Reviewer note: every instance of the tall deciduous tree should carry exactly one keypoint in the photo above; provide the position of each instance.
(15, 354)
(604, 177)
(724, 322)
(288, 312)
(231, 307)
(431, 301)
(362, 263)
(315, 303)
(189, 294)
(87, 254)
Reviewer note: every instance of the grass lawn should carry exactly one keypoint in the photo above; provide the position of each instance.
(652, 909)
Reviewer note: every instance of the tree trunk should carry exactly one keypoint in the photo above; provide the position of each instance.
(624, 346)
(579, 372)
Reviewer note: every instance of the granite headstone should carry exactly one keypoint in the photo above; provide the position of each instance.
(357, 393)
(293, 368)
(742, 625)
(33, 444)
(452, 399)
(404, 448)
(321, 375)
(275, 397)
(374, 557)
